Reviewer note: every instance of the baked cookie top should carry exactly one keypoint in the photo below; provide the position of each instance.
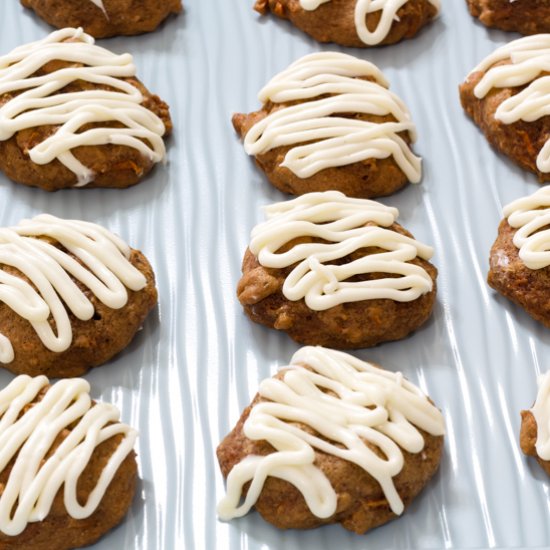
(530, 216)
(105, 18)
(521, 65)
(386, 9)
(32, 416)
(313, 103)
(107, 109)
(325, 272)
(58, 265)
(330, 401)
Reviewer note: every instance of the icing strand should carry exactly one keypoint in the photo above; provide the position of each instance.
(366, 406)
(363, 8)
(525, 60)
(99, 4)
(340, 222)
(320, 136)
(27, 435)
(531, 217)
(39, 101)
(52, 294)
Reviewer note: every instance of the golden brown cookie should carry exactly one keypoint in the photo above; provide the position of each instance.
(332, 478)
(530, 17)
(509, 115)
(335, 20)
(56, 521)
(329, 122)
(519, 262)
(104, 18)
(94, 125)
(318, 270)
(534, 437)
(69, 309)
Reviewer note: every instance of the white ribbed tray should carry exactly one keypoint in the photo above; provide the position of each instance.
(185, 379)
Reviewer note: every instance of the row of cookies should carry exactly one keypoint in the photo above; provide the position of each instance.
(310, 361)
(73, 294)
(367, 23)
(281, 259)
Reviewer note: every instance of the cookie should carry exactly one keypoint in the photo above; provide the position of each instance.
(329, 122)
(331, 439)
(336, 271)
(104, 18)
(72, 296)
(525, 17)
(67, 466)
(506, 97)
(534, 436)
(356, 23)
(520, 257)
(72, 114)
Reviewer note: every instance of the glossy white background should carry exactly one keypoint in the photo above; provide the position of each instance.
(197, 363)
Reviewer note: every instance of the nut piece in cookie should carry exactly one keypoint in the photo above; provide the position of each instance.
(329, 122)
(72, 296)
(331, 439)
(73, 114)
(104, 18)
(507, 96)
(67, 465)
(525, 17)
(534, 436)
(338, 272)
(520, 257)
(356, 23)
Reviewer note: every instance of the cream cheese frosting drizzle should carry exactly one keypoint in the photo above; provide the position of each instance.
(525, 60)
(28, 435)
(319, 134)
(340, 222)
(366, 406)
(531, 217)
(106, 272)
(363, 8)
(38, 101)
(99, 4)
(541, 413)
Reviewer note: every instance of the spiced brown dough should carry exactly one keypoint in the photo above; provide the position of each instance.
(121, 17)
(529, 288)
(94, 341)
(334, 21)
(528, 439)
(530, 17)
(114, 166)
(366, 179)
(59, 531)
(345, 326)
(361, 503)
(521, 141)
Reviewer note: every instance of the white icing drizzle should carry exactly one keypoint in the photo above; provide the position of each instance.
(340, 221)
(99, 4)
(39, 102)
(529, 215)
(389, 9)
(367, 405)
(333, 85)
(541, 413)
(32, 483)
(527, 58)
(106, 272)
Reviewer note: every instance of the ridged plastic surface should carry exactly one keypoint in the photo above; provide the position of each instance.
(197, 362)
